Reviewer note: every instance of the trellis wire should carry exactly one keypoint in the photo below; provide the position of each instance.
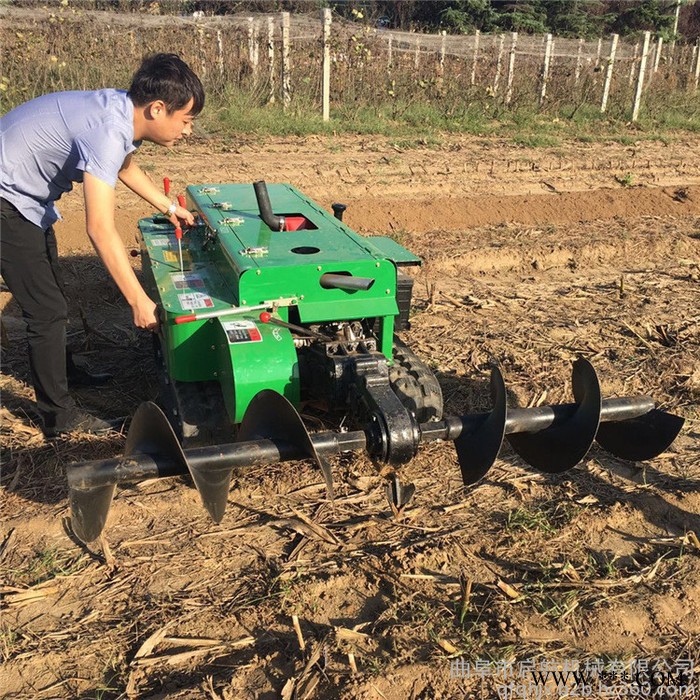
(346, 58)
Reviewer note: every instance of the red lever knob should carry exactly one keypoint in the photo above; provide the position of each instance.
(178, 233)
(166, 186)
(185, 319)
(265, 316)
(181, 200)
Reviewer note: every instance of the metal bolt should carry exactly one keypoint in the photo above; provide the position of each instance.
(388, 291)
(319, 268)
(377, 264)
(213, 347)
(243, 302)
(258, 271)
(216, 374)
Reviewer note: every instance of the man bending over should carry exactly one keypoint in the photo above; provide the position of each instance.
(46, 145)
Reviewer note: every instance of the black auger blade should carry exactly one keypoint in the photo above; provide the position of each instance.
(554, 439)
(150, 440)
(271, 416)
(640, 438)
(561, 447)
(478, 448)
(88, 510)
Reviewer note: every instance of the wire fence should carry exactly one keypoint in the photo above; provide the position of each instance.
(280, 58)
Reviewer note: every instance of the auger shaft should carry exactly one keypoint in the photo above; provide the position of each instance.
(237, 455)
(254, 453)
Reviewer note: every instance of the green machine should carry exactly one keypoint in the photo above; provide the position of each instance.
(288, 305)
(270, 307)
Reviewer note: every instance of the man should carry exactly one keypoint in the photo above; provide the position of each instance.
(46, 145)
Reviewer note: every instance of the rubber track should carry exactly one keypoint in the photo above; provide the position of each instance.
(415, 384)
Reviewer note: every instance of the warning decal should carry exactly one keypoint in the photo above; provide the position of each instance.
(188, 280)
(195, 300)
(161, 241)
(241, 332)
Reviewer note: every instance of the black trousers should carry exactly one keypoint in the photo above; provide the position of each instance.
(29, 266)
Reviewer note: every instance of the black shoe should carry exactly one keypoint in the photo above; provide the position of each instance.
(77, 376)
(81, 422)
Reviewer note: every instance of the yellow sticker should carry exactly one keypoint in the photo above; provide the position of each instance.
(170, 256)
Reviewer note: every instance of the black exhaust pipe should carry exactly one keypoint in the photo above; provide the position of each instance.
(276, 223)
(349, 282)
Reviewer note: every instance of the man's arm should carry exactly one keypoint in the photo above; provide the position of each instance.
(138, 182)
(99, 218)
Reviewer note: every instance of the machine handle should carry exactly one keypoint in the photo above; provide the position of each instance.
(166, 186)
(185, 319)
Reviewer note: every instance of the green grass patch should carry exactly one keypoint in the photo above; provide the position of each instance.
(47, 564)
(423, 123)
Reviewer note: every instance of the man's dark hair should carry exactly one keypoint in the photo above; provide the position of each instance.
(165, 76)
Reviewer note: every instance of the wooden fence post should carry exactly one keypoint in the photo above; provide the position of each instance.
(389, 51)
(326, 17)
(271, 58)
(511, 67)
(477, 33)
(499, 63)
(545, 67)
(633, 63)
(609, 72)
(286, 77)
(598, 52)
(579, 53)
(251, 46)
(202, 54)
(640, 77)
(657, 53)
(416, 58)
(220, 53)
(675, 31)
(697, 65)
(443, 49)
(253, 49)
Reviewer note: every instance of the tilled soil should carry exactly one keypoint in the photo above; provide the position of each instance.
(532, 258)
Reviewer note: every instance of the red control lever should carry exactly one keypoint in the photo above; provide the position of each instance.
(182, 201)
(166, 186)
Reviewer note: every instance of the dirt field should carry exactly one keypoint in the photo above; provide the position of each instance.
(532, 257)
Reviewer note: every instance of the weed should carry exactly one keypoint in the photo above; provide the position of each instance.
(555, 605)
(528, 520)
(47, 564)
(626, 180)
(9, 640)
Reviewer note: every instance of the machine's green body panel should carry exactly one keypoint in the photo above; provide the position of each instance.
(245, 368)
(394, 251)
(232, 259)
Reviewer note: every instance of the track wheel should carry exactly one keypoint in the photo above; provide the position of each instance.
(415, 384)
